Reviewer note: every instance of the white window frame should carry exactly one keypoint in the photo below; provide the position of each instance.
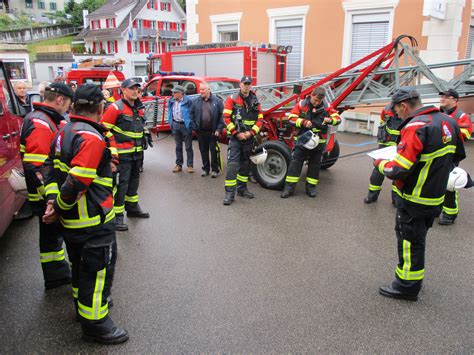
(225, 19)
(364, 8)
(288, 13)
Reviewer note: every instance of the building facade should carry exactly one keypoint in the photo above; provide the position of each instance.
(131, 30)
(330, 34)
(16, 61)
(36, 9)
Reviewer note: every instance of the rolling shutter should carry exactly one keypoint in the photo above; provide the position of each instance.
(469, 51)
(369, 33)
(290, 33)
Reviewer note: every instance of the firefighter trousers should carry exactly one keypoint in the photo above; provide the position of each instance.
(93, 264)
(238, 164)
(411, 241)
(53, 262)
(126, 196)
(450, 205)
(298, 157)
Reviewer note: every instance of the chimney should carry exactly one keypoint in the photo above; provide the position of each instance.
(85, 20)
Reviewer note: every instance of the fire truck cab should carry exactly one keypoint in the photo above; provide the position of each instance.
(265, 63)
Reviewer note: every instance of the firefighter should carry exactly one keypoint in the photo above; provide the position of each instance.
(449, 105)
(428, 146)
(79, 189)
(387, 136)
(310, 116)
(243, 119)
(37, 132)
(125, 120)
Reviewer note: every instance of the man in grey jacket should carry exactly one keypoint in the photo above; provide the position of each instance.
(206, 117)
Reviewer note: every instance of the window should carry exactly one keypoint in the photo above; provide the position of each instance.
(41, 5)
(136, 47)
(152, 47)
(226, 27)
(139, 23)
(369, 33)
(110, 23)
(470, 40)
(29, 4)
(368, 25)
(165, 6)
(16, 70)
(6, 91)
(153, 4)
(153, 25)
(111, 47)
(52, 6)
(228, 33)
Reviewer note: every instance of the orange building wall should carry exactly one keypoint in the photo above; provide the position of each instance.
(324, 26)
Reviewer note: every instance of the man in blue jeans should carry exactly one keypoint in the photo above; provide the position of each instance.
(180, 124)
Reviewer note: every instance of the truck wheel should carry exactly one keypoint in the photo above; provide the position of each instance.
(329, 159)
(271, 174)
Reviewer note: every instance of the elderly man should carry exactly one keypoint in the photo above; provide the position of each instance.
(206, 118)
(428, 146)
(180, 124)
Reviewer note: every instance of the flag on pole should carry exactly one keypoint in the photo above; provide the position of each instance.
(130, 27)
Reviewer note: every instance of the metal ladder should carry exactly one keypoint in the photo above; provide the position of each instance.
(379, 78)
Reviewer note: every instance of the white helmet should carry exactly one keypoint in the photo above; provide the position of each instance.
(260, 157)
(312, 142)
(457, 179)
(17, 182)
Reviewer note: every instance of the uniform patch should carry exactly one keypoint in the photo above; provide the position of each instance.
(447, 135)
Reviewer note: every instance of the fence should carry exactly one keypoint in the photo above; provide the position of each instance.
(34, 34)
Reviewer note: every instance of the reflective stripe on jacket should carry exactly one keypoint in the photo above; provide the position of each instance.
(242, 115)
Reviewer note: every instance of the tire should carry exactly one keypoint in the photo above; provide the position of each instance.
(271, 174)
(329, 159)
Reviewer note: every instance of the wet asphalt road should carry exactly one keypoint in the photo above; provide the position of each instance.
(295, 275)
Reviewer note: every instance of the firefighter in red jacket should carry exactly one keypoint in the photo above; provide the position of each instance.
(243, 119)
(309, 115)
(387, 136)
(449, 105)
(37, 132)
(430, 143)
(125, 120)
(78, 179)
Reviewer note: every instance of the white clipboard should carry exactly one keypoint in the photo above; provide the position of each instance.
(387, 153)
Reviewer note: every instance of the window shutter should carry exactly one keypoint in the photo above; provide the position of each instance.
(369, 33)
(470, 39)
(107, 23)
(147, 47)
(98, 24)
(141, 47)
(94, 47)
(114, 23)
(129, 46)
(160, 25)
(148, 5)
(108, 46)
(134, 23)
(101, 46)
(116, 46)
(93, 24)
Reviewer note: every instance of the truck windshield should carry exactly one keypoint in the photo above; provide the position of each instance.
(156, 65)
(222, 85)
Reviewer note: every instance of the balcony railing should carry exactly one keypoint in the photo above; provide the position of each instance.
(166, 34)
(145, 32)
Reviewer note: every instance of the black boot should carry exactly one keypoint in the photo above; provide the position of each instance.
(287, 191)
(115, 336)
(446, 219)
(311, 190)
(229, 197)
(244, 192)
(372, 196)
(119, 225)
(136, 212)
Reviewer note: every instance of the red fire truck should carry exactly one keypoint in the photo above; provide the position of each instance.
(265, 63)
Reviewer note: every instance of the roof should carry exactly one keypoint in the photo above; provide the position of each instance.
(111, 7)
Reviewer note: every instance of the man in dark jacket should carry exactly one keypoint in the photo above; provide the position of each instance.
(429, 144)
(206, 118)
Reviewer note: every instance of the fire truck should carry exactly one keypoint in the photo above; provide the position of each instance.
(265, 63)
(370, 80)
(95, 71)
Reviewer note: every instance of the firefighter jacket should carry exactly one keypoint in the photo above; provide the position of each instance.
(78, 176)
(388, 127)
(243, 114)
(304, 111)
(37, 132)
(127, 124)
(462, 119)
(429, 144)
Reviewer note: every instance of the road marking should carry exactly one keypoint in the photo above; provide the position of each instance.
(358, 144)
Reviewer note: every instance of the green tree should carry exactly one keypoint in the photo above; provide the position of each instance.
(75, 9)
(6, 23)
(182, 3)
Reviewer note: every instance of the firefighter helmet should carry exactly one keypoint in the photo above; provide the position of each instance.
(17, 182)
(308, 140)
(259, 156)
(457, 179)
